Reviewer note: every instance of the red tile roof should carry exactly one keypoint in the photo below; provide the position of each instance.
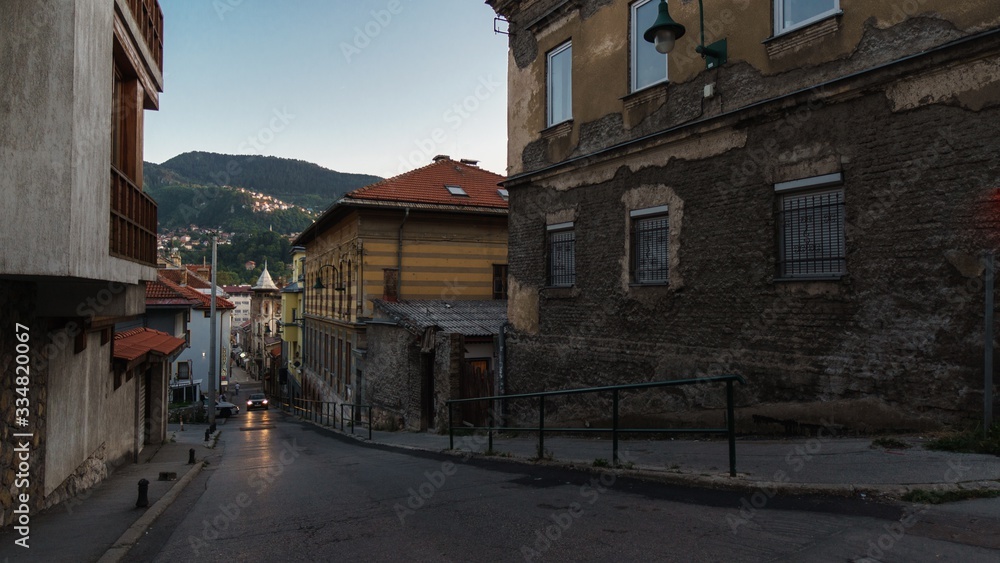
(133, 344)
(427, 185)
(191, 279)
(163, 292)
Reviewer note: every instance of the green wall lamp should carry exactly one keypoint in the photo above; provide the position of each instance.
(338, 285)
(665, 32)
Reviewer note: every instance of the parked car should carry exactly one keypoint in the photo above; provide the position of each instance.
(257, 401)
(225, 409)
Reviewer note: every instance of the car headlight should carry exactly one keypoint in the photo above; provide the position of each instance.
(265, 401)
(249, 403)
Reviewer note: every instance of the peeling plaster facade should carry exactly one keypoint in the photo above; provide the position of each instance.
(899, 101)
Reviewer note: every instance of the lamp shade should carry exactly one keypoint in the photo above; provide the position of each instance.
(664, 31)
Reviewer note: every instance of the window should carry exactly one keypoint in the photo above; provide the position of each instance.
(499, 281)
(455, 190)
(504, 194)
(648, 66)
(560, 84)
(811, 228)
(790, 14)
(650, 245)
(562, 254)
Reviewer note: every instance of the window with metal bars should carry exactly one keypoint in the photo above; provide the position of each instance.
(811, 234)
(650, 245)
(562, 254)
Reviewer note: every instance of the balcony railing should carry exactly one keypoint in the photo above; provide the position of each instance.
(150, 19)
(133, 221)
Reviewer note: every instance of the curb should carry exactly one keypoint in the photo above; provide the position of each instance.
(719, 482)
(124, 543)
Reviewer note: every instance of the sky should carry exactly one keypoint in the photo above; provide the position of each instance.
(363, 86)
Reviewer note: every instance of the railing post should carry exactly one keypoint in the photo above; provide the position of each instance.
(451, 428)
(369, 423)
(489, 424)
(541, 427)
(341, 417)
(614, 428)
(731, 426)
(352, 420)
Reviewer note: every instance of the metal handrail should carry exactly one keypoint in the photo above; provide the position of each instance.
(615, 429)
(353, 407)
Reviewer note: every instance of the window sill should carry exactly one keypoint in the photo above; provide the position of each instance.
(653, 92)
(558, 130)
(792, 39)
(658, 284)
(560, 291)
(831, 278)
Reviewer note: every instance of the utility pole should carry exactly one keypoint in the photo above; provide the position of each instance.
(212, 345)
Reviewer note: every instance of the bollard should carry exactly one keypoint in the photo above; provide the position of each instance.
(182, 424)
(208, 432)
(212, 427)
(143, 490)
(191, 456)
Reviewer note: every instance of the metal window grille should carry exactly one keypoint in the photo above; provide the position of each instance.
(562, 257)
(812, 235)
(650, 249)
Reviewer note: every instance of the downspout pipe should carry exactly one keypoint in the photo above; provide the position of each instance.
(399, 257)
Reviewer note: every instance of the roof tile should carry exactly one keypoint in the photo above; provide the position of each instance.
(427, 185)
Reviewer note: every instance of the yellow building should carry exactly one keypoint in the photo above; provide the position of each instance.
(291, 322)
(435, 233)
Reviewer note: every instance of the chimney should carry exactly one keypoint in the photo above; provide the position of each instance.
(470, 162)
(441, 157)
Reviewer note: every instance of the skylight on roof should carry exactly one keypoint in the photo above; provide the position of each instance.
(455, 190)
(503, 193)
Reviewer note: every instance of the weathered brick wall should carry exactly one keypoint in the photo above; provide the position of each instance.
(896, 344)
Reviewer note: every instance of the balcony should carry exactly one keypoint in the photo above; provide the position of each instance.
(150, 19)
(133, 221)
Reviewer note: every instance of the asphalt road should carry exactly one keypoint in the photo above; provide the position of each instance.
(279, 489)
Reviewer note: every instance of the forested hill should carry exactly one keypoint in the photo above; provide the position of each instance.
(294, 181)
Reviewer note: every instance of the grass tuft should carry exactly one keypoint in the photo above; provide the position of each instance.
(970, 442)
(889, 444)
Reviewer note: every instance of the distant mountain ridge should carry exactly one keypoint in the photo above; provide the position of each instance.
(295, 181)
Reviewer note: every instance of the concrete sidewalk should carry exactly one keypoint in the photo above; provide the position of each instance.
(105, 516)
(827, 464)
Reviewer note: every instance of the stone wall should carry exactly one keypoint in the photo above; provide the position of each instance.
(392, 376)
(897, 343)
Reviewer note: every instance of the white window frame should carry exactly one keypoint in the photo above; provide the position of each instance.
(637, 40)
(779, 17)
(549, 119)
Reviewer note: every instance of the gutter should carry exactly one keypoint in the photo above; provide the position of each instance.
(399, 257)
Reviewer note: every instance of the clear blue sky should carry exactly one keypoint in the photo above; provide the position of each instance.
(347, 84)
